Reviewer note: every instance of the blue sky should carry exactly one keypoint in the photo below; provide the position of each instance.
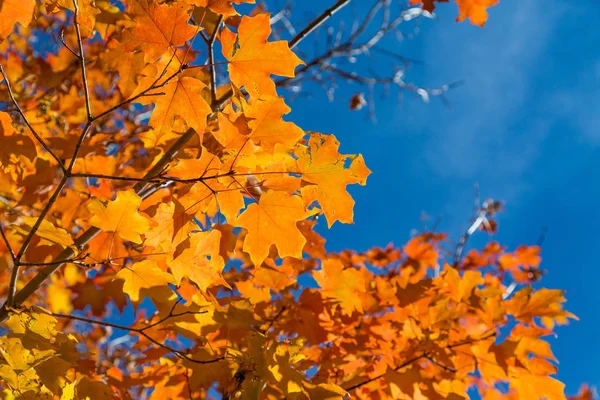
(525, 125)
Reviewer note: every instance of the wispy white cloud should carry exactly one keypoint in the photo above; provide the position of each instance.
(579, 103)
(484, 135)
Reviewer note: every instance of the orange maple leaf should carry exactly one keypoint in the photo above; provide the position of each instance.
(475, 10)
(179, 99)
(13, 11)
(198, 258)
(323, 168)
(267, 124)
(347, 287)
(273, 221)
(158, 28)
(252, 59)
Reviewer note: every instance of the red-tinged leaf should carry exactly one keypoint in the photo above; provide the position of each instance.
(158, 27)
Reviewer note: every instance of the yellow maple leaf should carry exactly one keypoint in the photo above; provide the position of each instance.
(120, 216)
(49, 232)
(143, 275)
(199, 260)
(344, 286)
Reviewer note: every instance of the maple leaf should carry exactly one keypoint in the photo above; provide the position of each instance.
(475, 10)
(179, 99)
(324, 167)
(544, 303)
(158, 27)
(171, 225)
(120, 216)
(143, 275)
(13, 11)
(13, 143)
(347, 287)
(273, 221)
(421, 251)
(252, 59)
(49, 232)
(532, 386)
(267, 124)
(86, 12)
(198, 258)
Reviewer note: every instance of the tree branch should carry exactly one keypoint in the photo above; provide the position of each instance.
(81, 57)
(424, 355)
(17, 261)
(7, 244)
(317, 22)
(141, 331)
(141, 188)
(211, 63)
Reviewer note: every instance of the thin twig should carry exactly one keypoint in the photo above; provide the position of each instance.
(7, 244)
(139, 331)
(62, 40)
(33, 131)
(81, 57)
(211, 63)
(423, 355)
(367, 381)
(14, 276)
(274, 319)
(317, 22)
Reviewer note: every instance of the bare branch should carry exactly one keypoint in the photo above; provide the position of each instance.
(211, 63)
(317, 22)
(62, 40)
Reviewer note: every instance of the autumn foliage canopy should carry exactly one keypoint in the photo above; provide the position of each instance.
(158, 214)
